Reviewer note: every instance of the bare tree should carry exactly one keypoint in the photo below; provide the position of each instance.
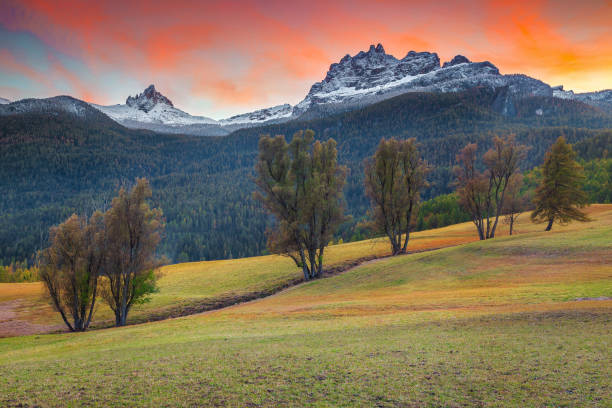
(502, 161)
(133, 231)
(482, 194)
(394, 177)
(472, 188)
(301, 183)
(515, 202)
(70, 268)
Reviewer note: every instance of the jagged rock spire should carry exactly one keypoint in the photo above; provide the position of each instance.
(147, 99)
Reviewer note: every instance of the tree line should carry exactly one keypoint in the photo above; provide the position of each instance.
(300, 184)
(113, 255)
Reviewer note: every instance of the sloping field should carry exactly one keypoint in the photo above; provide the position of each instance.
(516, 321)
(198, 286)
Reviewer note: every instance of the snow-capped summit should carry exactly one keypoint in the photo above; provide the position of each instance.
(274, 113)
(600, 99)
(147, 100)
(4, 101)
(373, 68)
(354, 81)
(373, 75)
(152, 110)
(54, 106)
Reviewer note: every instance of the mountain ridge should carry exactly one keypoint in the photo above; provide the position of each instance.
(372, 76)
(354, 81)
(54, 162)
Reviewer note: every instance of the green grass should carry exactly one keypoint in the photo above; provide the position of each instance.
(543, 359)
(483, 324)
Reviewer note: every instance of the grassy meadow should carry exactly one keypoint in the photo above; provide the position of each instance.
(188, 288)
(517, 321)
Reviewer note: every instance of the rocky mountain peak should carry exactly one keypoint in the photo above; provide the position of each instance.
(374, 75)
(146, 100)
(457, 59)
(379, 49)
(372, 68)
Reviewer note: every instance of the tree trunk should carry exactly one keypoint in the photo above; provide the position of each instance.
(320, 270)
(78, 324)
(480, 229)
(395, 248)
(511, 223)
(304, 265)
(91, 309)
(498, 208)
(408, 219)
(550, 224)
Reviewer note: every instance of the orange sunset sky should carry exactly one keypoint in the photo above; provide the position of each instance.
(222, 58)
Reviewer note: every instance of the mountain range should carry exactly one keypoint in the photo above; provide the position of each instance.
(61, 155)
(355, 81)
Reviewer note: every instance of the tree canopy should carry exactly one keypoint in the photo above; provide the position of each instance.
(560, 196)
(394, 178)
(300, 183)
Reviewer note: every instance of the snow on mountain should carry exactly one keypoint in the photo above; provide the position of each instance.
(274, 113)
(599, 99)
(151, 107)
(4, 101)
(54, 106)
(354, 81)
(158, 114)
(374, 75)
(152, 110)
(359, 80)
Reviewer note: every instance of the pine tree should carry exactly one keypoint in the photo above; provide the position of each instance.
(560, 196)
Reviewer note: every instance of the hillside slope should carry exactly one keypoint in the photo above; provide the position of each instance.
(53, 164)
(518, 321)
(189, 288)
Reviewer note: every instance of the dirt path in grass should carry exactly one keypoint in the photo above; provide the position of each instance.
(326, 274)
(11, 326)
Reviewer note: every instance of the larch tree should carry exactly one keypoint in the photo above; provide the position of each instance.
(482, 193)
(394, 178)
(559, 197)
(300, 183)
(70, 268)
(133, 231)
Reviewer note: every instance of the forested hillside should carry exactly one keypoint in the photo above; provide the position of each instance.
(54, 164)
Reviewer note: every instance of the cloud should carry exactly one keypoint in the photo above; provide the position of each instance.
(10, 63)
(221, 58)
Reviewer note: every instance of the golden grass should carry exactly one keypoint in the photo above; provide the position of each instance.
(495, 323)
(185, 286)
(521, 271)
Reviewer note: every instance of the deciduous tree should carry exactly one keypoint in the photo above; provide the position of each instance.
(482, 193)
(394, 177)
(301, 183)
(70, 268)
(515, 202)
(133, 231)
